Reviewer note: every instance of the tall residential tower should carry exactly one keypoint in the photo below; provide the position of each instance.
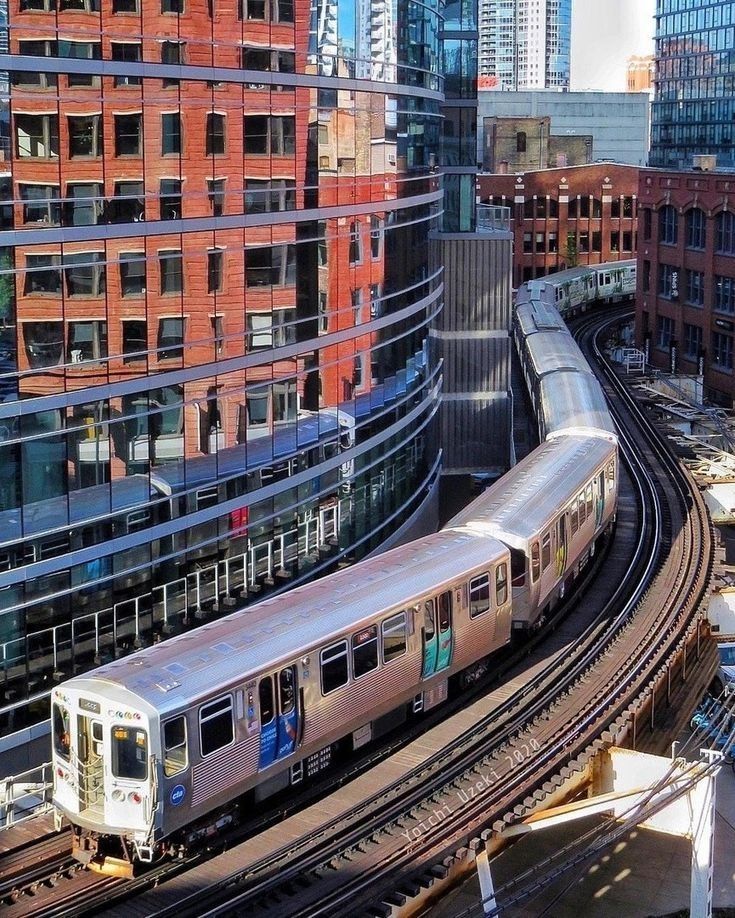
(525, 44)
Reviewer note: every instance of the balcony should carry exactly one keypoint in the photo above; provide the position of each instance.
(493, 219)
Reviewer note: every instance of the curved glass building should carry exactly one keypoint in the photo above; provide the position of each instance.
(215, 298)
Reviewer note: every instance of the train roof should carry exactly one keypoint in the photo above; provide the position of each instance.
(550, 352)
(574, 402)
(279, 630)
(536, 316)
(525, 501)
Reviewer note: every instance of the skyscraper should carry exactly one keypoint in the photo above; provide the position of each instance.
(215, 301)
(525, 44)
(694, 103)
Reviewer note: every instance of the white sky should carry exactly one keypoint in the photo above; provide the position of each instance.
(605, 33)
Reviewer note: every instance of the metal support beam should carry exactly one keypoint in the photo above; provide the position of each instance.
(487, 887)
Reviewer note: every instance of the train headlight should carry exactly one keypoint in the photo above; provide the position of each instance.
(118, 796)
(134, 797)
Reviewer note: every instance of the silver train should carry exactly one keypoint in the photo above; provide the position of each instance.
(168, 745)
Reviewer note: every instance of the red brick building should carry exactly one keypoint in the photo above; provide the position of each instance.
(579, 215)
(685, 304)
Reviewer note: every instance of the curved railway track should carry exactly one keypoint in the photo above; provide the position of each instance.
(392, 843)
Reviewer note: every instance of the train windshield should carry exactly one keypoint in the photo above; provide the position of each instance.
(129, 753)
(60, 718)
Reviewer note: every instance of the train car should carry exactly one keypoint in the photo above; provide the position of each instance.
(548, 353)
(549, 510)
(152, 749)
(616, 281)
(573, 404)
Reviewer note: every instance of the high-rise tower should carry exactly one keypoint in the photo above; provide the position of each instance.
(525, 44)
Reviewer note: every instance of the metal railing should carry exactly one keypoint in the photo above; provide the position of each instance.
(26, 795)
(492, 218)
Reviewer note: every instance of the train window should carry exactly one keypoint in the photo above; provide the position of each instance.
(517, 567)
(216, 725)
(265, 697)
(287, 689)
(501, 584)
(546, 551)
(207, 497)
(535, 562)
(129, 753)
(588, 495)
(394, 637)
(365, 651)
(445, 612)
(334, 667)
(479, 595)
(575, 516)
(429, 626)
(174, 746)
(139, 519)
(582, 508)
(61, 731)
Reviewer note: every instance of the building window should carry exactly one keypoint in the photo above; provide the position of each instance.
(37, 78)
(85, 136)
(273, 134)
(134, 339)
(40, 204)
(376, 235)
(275, 61)
(521, 142)
(128, 52)
(170, 338)
(171, 272)
(172, 52)
(171, 133)
(82, 6)
(270, 266)
(81, 50)
(356, 296)
(218, 333)
(665, 332)
(128, 134)
(266, 10)
(37, 6)
(695, 288)
(726, 233)
(125, 6)
(84, 205)
(216, 193)
(722, 351)
(132, 273)
(355, 243)
(215, 134)
(87, 341)
(172, 6)
(646, 276)
(668, 225)
(215, 261)
(692, 340)
(128, 205)
(263, 196)
(259, 331)
(170, 199)
(36, 136)
(696, 223)
(668, 281)
(85, 274)
(43, 274)
(44, 343)
(725, 294)
(647, 221)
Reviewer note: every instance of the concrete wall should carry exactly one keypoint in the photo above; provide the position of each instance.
(618, 122)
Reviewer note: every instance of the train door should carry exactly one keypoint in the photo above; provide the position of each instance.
(600, 502)
(90, 751)
(430, 640)
(562, 547)
(444, 654)
(279, 716)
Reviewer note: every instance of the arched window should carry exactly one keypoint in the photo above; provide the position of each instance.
(668, 225)
(696, 222)
(726, 233)
(521, 142)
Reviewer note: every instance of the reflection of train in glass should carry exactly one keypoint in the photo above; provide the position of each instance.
(126, 506)
(153, 751)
